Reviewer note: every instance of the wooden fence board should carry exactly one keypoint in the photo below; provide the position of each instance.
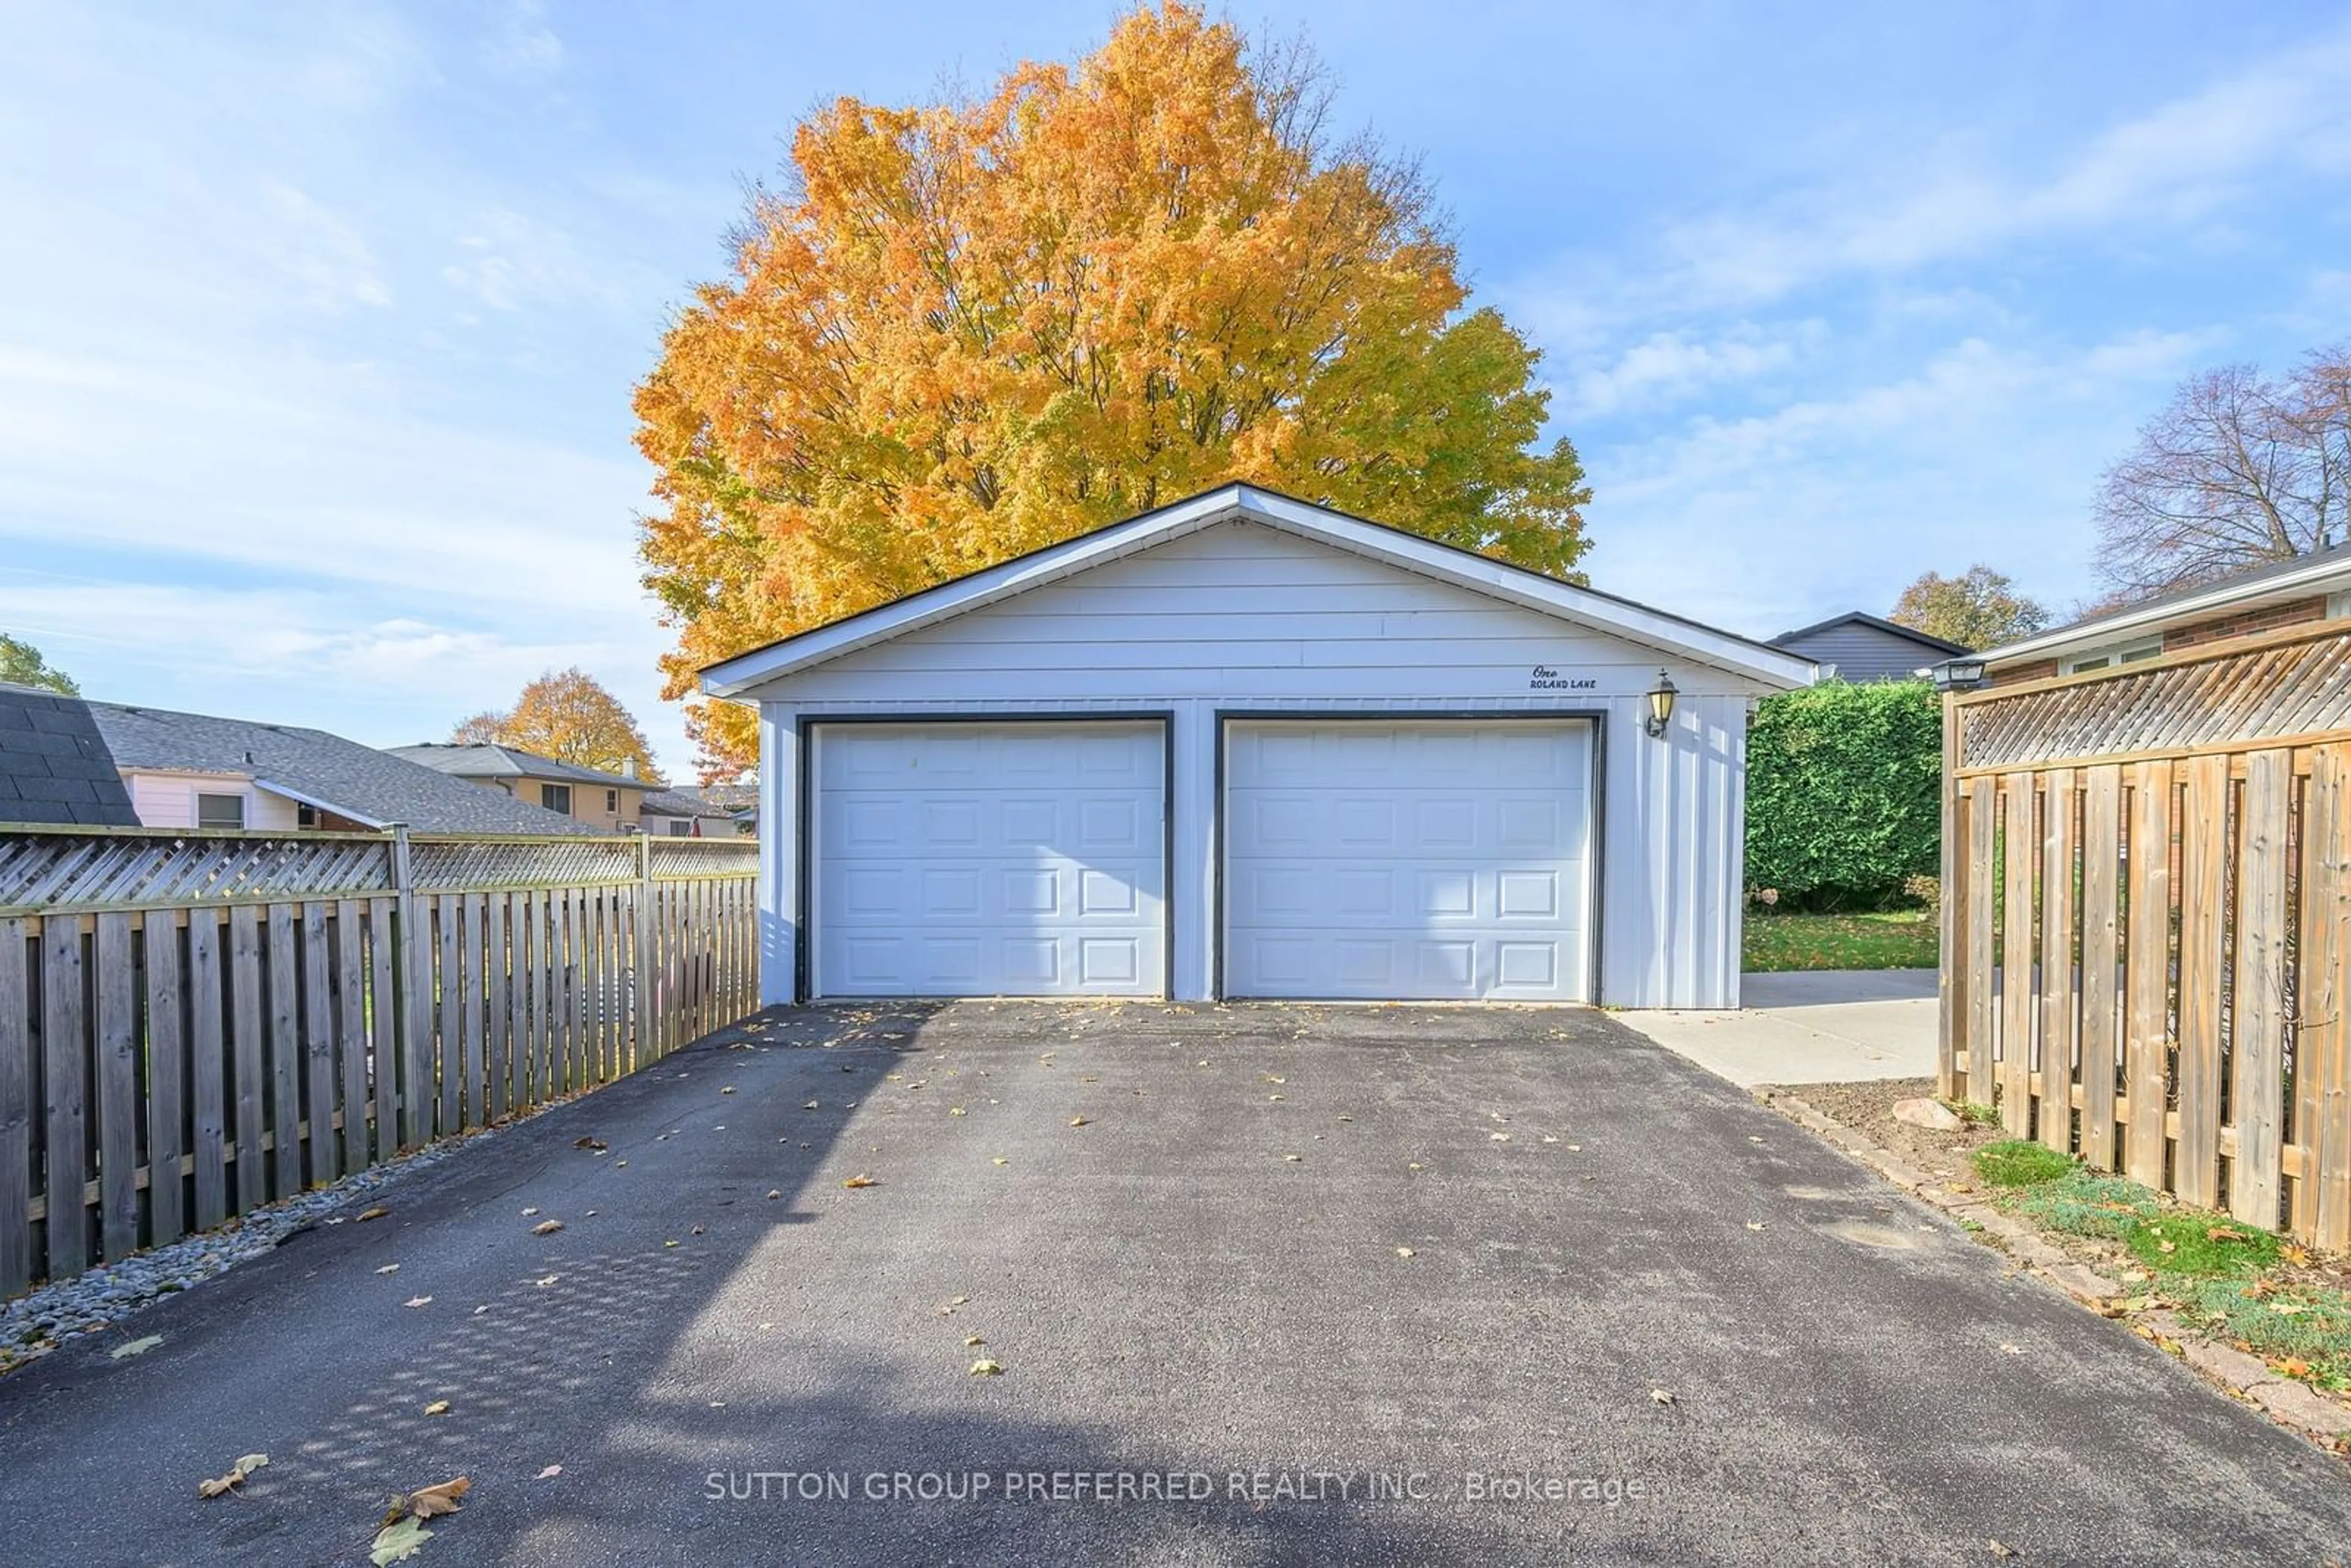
(63, 1071)
(352, 1028)
(2055, 1115)
(15, 1106)
(116, 991)
(208, 1069)
(2101, 959)
(285, 1054)
(250, 1051)
(2147, 1040)
(559, 978)
(449, 992)
(2322, 1044)
(167, 1067)
(324, 1163)
(2257, 1054)
(497, 1023)
(2203, 922)
(531, 1074)
(384, 1040)
(476, 968)
(2019, 857)
(1982, 813)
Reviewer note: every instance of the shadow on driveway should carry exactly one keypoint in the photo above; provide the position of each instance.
(1183, 1233)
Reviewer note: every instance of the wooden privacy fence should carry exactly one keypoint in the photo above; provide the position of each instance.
(2147, 922)
(192, 1025)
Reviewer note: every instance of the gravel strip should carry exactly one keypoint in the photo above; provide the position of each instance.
(39, 1321)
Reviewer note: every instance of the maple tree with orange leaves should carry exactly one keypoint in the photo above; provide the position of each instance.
(967, 330)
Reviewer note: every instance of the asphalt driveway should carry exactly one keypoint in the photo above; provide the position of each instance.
(1181, 1234)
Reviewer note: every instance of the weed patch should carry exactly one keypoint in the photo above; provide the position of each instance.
(2013, 1162)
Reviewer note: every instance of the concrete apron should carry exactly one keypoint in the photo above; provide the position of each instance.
(1834, 1026)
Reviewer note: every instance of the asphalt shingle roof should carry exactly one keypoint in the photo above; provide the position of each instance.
(54, 764)
(685, 803)
(487, 761)
(351, 779)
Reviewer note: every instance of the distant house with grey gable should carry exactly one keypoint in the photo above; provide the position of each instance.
(197, 771)
(1858, 647)
(55, 768)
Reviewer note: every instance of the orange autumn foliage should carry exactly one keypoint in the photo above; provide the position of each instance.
(968, 329)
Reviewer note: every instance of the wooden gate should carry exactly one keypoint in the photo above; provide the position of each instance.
(2147, 922)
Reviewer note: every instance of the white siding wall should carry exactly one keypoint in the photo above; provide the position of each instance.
(1243, 617)
(169, 800)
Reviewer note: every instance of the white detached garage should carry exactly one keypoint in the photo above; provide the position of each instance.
(1244, 747)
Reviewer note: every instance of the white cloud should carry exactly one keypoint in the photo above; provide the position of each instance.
(522, 44)
(1670, 367)
(2161, 174)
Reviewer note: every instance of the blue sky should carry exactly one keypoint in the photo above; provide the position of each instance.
(319, 323)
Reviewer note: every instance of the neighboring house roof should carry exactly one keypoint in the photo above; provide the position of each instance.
(54, 764)
(1588, 607)
(317, 769)
(685, 803)
(1866, 648)
(2321, 571)
(483, 760)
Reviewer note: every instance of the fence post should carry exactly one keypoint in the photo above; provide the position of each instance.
(414, 1003)
(642, 1049)
(1951, 983)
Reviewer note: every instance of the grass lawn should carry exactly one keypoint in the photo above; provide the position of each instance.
(1895, 939)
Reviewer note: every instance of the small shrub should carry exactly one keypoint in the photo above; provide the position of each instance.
(1926, 892)
(2189, 1242)
(2014, 1161)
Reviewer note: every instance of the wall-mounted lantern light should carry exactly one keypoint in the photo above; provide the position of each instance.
(1661, 706)
(1957, 675)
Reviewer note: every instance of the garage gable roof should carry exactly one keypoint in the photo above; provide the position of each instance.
(737, 677)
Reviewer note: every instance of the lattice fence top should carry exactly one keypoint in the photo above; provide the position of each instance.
(446, 866)
(41, 870)
(44, 869)
(683, 858)
(2275, 693)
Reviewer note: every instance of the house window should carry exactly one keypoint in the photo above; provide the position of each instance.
(306, 816)
(220, 811)
(2107, 658)
(556, 798)
(2338, 605)
(612, 801)
(680, 828)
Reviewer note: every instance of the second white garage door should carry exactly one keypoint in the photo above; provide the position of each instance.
(976, 859)
(1437, 860)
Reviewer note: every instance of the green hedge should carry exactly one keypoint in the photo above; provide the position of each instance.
(1842, 785)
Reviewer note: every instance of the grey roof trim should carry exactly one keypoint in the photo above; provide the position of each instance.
(737, 678)
(1852, 617)
(2321, 571)
(495, 761)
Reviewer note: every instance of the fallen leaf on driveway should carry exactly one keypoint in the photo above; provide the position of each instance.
(389, 1269)
(1000, 1160)
(597, 1144)
(244, 1467)
(532, 1210)
(1999, 1551)
(728, 1090)
(985, 1368)
(548, 1474)
(397, 1542)
(774, 1193)
(1500, 1137)
(1293, 1159)
(1077, 1121)
(543, 1284)
(138, 1346)
(438, 1408)
(1662, 1396)
(955, 1111)
(1404, 1252)
(857, 1181)
(547, 1227)
(417, 1302)
(1755, 1225)
(1275, 1078)
(2011, 1350)
(378, 1212)
(431, 1502)
(695, 1231)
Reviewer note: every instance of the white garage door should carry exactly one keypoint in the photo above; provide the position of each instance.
(1444, 859)
(971, 860)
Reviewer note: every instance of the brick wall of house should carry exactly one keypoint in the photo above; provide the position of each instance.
(2245, 623)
